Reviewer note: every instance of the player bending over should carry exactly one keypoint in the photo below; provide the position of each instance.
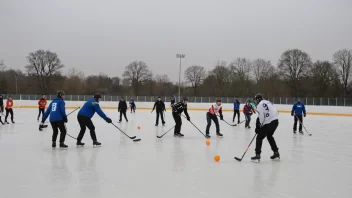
(212, 115)
(177, 109)
(266, 125)
(84, 118)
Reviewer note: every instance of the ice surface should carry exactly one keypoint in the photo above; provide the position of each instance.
(316, 166)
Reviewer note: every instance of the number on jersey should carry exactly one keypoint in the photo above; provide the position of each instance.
(53, 107)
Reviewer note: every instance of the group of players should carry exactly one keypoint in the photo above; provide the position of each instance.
(266, 123)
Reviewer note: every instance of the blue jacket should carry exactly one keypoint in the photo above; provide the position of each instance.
(298, 108)
(56, 110)
(90, 107)
(236, 106)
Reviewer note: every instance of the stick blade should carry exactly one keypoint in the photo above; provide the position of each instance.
(310, 134)
(133, 137)
(238, 159)
(159, 136)
(137, 140)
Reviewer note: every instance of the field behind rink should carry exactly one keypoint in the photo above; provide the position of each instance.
(316, 166)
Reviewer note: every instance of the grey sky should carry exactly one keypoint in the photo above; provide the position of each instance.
(104, 36)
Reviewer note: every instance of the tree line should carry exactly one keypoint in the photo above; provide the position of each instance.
(294, 75)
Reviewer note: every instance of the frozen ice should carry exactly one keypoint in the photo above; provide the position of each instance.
(316, 166)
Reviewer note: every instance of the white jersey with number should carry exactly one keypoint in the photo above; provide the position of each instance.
(267, 112)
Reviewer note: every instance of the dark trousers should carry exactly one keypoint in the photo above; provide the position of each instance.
(133, 107)
(9, 111)
(211, 117)
(267, 131)
(1, 111)
(85, 122)
(58, 125)
(300, 118)
(178, 121)
(248, 119)
(41, 111)
(161, 115)
(123, 111)
(236, 112)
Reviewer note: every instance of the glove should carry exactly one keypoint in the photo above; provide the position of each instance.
(257, 126)
(65, 119)
(188, 118)
(108, 120)
(304, 115)
(221, 117)
(257, 130)
(291, 113)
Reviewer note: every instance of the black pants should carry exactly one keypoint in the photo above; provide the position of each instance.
(58, 125)
(248, 119)
(267, 131)
(85, 122)
(9, 111)
(178, 121)
(123, 111)
(1, 111)
(211, 117)
(41, 111)
(236, 112)
(133, 107)
(157, 117)
(295, 124)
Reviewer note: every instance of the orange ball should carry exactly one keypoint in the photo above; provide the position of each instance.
(207, 142)
(139, 127)
(217, 158)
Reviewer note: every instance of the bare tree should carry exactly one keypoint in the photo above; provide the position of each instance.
(240, 68)
(260, 68)
(44, 65)
(162, 82)
(2, 65)
(294, 65)
(322, 74)
(343, 63)
(221, 75)
(136, 74)
(195, 75)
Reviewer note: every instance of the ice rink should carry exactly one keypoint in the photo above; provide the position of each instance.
(313, 167)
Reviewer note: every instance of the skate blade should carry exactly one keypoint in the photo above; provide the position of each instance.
(79, 146)
(63, 148)
(276, 159)
(96, 146)
(256, 160)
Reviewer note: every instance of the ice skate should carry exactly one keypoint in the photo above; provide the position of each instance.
(180, 135)
(96, 144)
(294, 131)
(53, 145)
(207, 136)
(301, 132)
(63, 146)
(219, 134)
(80, 144)
(163, 123)
(119, 121)
(248, 127)
(156, 124)
(275, 156)
(256, 157)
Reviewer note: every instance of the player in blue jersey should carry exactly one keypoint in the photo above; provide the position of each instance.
(298, 110)
(84, 118)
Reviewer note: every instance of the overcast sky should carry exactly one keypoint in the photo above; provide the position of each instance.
(105, 35)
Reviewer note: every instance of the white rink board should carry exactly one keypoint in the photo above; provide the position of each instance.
(316, 166)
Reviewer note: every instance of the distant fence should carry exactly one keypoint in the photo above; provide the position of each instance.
(275, 100)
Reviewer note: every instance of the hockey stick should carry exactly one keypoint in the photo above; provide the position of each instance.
(227, 122)
(196, 128)
(165, 133)
(238, 159)
(133, 138)
(303, 125)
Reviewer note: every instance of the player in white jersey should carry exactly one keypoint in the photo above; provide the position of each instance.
(212, 115)
(266, 125)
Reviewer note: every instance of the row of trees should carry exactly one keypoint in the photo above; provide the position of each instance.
(294, 75)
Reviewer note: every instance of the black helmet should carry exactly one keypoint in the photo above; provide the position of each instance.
(185, 98)
(258, 97)
(218, 100)
(97, 95)
(60, 93)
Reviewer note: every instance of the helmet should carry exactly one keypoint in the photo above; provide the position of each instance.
(218, 100)
(258, 97)
(185, 98)
(97, 95)
(60, 93)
